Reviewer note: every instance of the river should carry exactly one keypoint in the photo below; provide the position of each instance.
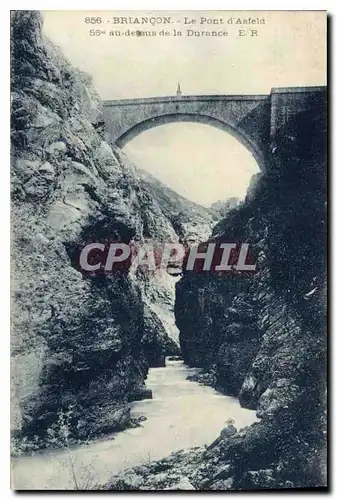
(182, 414)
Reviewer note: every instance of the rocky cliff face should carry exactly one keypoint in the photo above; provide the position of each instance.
(263, 337)
(81, 346)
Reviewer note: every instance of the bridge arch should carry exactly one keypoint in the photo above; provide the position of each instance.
(163, 119)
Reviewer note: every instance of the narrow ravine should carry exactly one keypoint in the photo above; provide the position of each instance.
(182, 414)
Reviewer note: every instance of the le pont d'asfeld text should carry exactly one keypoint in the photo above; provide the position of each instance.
(189, 26)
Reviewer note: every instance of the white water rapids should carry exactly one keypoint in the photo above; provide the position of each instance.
(182, 414)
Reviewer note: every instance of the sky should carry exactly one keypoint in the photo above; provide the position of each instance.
(199, 161)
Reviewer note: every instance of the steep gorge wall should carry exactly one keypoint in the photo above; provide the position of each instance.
(81, 346)
(262, 337)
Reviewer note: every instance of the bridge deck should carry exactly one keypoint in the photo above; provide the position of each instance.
(185, 98)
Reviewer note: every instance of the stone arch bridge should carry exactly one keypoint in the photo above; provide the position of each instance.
(253, 119)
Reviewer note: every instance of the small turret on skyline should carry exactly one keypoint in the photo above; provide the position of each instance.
(179, 92)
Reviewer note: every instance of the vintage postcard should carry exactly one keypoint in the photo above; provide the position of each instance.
(168, 247)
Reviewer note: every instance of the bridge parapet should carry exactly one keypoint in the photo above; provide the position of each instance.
(183, 98)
